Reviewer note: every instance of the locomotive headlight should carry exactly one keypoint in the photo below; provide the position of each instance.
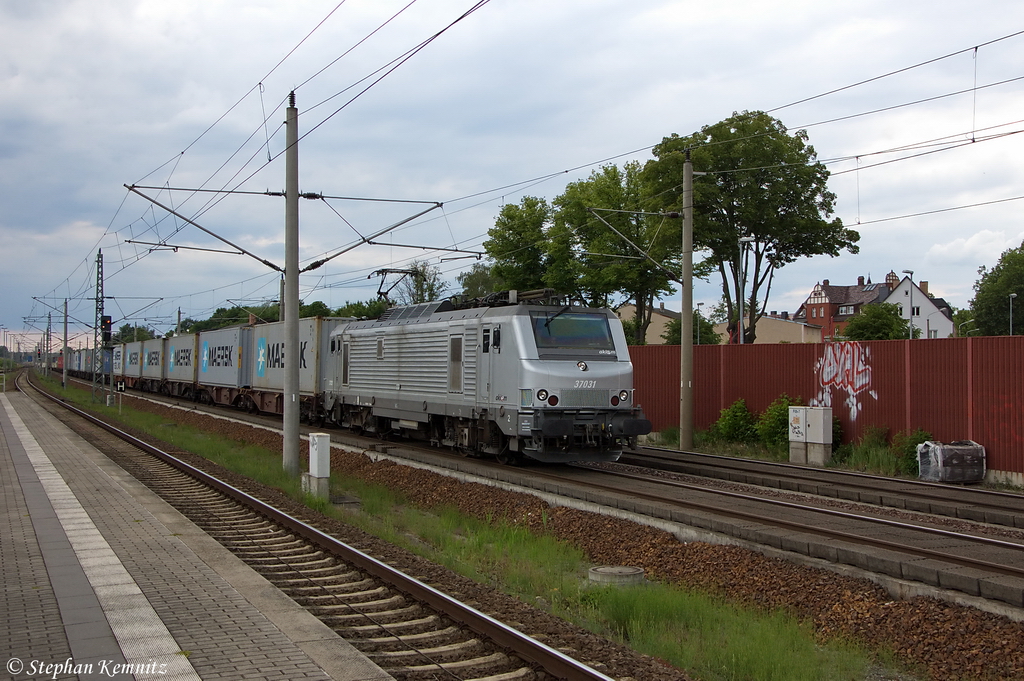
(542, 394)
(623, 395)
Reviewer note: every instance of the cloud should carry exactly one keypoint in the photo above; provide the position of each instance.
(981, 248)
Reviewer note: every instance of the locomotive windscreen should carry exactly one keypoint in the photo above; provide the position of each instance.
(575, 333)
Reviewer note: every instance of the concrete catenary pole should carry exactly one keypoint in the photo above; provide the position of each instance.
(686, 314)
(64, 349)
(291, 289)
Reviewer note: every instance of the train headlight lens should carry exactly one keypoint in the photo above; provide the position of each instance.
(553, 400)
(542, 394)
(623, 395)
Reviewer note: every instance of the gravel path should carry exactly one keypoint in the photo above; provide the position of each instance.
(949, 641)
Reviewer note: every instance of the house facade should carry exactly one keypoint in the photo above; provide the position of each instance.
(832, 307)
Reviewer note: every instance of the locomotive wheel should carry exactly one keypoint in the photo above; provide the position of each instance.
(506, 457)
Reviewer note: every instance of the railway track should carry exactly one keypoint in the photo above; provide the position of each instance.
(932, 534)
(407, 627)
(954, 501)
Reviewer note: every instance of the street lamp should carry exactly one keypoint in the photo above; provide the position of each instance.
(960, 327)
(1012, 296)
(911, 273)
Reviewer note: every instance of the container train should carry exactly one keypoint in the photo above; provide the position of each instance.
(513, 375)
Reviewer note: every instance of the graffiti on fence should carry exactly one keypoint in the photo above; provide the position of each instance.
(844, 368)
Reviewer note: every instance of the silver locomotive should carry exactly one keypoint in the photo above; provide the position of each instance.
(513, 375)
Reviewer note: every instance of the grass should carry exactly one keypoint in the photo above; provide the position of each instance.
(711, 639)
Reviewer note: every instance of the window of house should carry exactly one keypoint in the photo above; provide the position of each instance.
(846, 309)
(917, 311)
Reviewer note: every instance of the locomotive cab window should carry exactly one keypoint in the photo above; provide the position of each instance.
(572, 334)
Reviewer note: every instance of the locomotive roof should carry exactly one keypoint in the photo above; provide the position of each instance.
(445, 310)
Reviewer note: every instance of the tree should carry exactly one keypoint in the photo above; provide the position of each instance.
(517, 244)
(479, 280)
(703, 331)
(370, 309)
(129, 333)
(315, 309)
(991, 303)
(423, 286)
(761, 182)
(879, 321)
(589, 254)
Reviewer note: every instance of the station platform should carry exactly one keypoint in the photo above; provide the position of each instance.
(104, 580)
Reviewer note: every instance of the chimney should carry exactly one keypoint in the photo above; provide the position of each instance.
(923, 285)
(785, 314)
(662, 306)
(774, 313)
(860, 281)
(824, 282)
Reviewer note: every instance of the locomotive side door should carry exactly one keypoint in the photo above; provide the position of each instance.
(484, 391)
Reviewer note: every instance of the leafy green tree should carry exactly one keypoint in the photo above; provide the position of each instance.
(762, 182)
(587, 256)
(128, 333)
(369, 309)
(991, 303)
(479, 280)
(315, 309)
(517, 244)
(879, 321)
(706, 328)
(425, 285)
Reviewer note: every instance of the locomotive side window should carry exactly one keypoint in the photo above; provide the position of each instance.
(486, 340)
(455, 364)
(380, 347)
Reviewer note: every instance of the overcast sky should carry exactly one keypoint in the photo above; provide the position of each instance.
(96, 94)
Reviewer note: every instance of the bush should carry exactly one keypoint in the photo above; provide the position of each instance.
(904, 449)
(773, 424)
(735, 424)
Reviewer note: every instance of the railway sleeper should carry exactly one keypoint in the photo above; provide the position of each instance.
(431, 638)
(446, 653)
(294, 566)
(353, 597)
(339, 572)
(381, 605)
(280, 542)
(303, 557)
(353, 624)
(488, 662)
(340, 583)
(287, 553)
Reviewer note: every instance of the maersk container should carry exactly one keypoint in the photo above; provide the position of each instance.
(118, 352)
(224, 357)
(182, 358)
(267, 364)
(153, 359)
(132, 359)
